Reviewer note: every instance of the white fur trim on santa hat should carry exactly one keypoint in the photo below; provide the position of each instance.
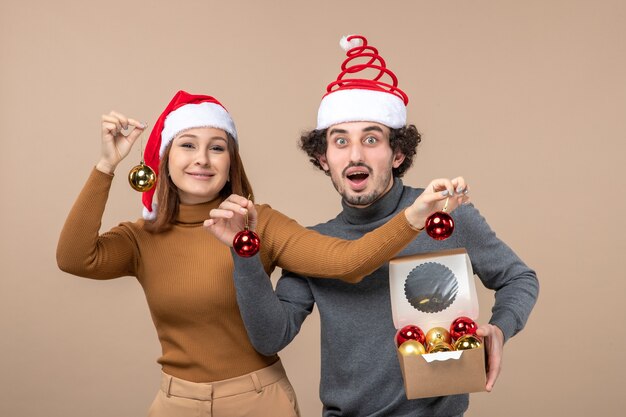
(150, 215)
(190, 116)
(357, 105)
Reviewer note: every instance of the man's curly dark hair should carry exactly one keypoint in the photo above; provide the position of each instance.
(404, 139)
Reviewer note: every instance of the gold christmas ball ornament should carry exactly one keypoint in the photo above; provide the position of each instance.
(142, 178)
(411, 348)
(469, 341)
(440, 347)
(437, 335)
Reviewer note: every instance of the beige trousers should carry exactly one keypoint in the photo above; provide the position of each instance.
(263, 393)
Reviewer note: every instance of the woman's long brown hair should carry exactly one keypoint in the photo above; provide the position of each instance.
(167, 196)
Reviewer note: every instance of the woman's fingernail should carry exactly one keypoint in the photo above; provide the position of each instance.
(444, 193)
(459, 189)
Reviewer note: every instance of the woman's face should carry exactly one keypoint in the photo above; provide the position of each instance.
(199, 164)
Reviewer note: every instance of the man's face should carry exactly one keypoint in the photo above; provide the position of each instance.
(360, 161)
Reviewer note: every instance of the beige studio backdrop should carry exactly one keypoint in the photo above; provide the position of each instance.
(526, 99)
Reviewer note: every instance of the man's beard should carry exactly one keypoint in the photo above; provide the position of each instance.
(363, 199)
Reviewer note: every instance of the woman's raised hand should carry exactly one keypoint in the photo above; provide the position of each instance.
(230, 218)
(115, 144)
(434, 198)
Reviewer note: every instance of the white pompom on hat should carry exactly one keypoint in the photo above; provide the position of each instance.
(362, 99)
(185, 111)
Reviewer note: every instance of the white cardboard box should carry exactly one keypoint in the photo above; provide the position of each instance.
(431, 290)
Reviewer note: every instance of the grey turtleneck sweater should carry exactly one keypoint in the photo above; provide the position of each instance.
(360, 373)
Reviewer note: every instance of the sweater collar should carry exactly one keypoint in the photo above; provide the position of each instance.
(383, 207)
(193, 214)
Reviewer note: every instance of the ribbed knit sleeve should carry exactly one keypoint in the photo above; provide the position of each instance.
(307, 252)
(81, 249)
(499, 268)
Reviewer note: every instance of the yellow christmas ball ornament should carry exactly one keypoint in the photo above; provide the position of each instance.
(469, 341)
(441, 347)
(411, 348)
(141, 177)
(437, 335)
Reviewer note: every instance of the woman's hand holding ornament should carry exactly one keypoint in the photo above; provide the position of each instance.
(231, 217)
(115, 144)
(430, 210)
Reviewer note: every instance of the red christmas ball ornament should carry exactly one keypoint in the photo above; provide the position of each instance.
(439, 225)
(462, 326)
(246, 243)
(410, 332)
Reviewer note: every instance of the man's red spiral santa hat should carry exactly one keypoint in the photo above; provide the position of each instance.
(356, 97)
(185, 111)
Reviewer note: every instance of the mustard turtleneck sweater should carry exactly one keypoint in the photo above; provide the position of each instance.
(187, 274)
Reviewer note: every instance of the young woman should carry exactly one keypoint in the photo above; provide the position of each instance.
(207, 360)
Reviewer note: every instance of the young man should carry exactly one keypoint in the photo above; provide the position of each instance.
(363, 144)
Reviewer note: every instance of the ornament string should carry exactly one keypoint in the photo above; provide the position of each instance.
(141, 177)
(246, 225)
(141, 148)
(246, 243)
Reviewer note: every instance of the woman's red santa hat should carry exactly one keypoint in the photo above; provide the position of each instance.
(185, 111)
(362, 98)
